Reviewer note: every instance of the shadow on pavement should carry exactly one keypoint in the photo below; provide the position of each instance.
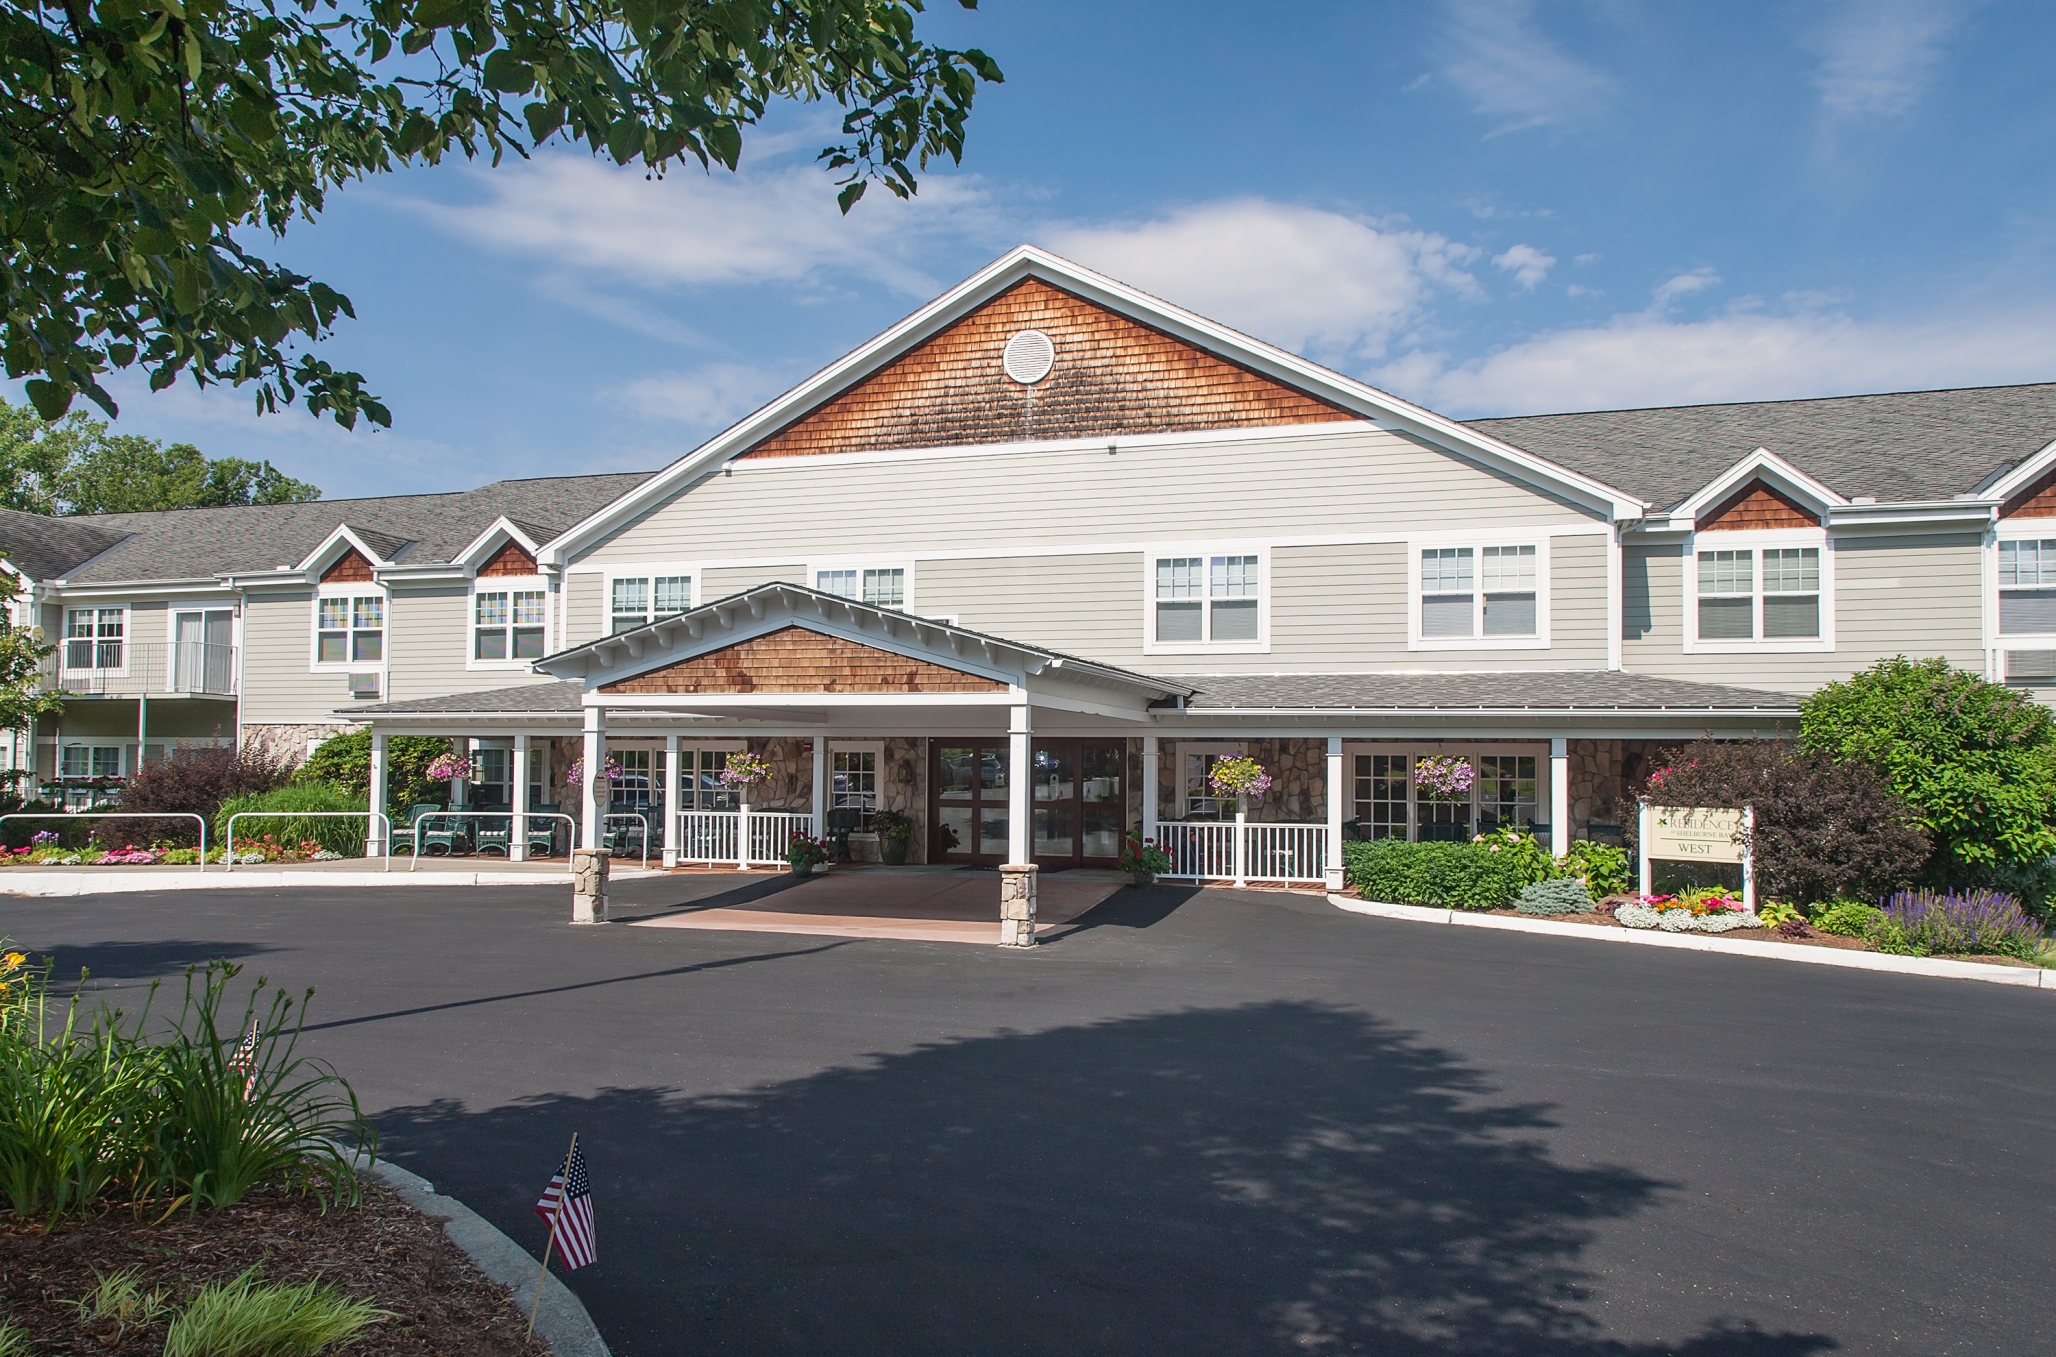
(139, 960)
(1125, 908)
(1273, 1178)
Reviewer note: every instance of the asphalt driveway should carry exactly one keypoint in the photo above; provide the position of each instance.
(1195, 1123)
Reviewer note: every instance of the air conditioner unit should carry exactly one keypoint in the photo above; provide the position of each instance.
(2031, 666)
(363, 685)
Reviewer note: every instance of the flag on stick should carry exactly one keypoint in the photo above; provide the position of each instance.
(567, 1208)
(244, 1061)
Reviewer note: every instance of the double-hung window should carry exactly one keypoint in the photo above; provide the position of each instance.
(2027, 588)
(1770, 593)
(880, 586)
(639, 599)
(507, 624)
(100, 760)
(94, 638)
(1207, 600)
(1480, 593)
(349, 629)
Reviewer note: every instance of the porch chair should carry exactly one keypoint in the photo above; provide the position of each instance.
(409, 826)
(444, 831)
(493, 834)
(542, 835)
(619, 834)
(841, 824)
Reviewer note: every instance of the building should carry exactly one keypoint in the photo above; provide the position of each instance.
(1051, 524)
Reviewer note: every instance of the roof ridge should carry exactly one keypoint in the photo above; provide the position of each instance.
(1791, 400)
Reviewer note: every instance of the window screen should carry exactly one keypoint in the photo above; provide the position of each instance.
(1727, 589)
(1447, 598)
(2027, 588)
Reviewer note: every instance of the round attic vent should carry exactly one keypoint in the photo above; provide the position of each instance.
(1028, 357)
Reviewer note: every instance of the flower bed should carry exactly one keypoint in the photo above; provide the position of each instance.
(1704, 911)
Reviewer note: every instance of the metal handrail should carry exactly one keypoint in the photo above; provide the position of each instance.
(640, 819)
(415, 826)
(228, 860)
(118, 815)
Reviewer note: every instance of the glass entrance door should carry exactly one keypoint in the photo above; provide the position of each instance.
(968, 815)
(1080, 807)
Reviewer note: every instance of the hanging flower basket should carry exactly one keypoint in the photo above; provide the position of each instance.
(1239, 776)
(575, 777)
(1444, 777)
(449, 768)
(744, 769)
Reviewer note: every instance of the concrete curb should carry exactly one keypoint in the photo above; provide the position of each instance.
(561, 1320)
(2020, 977)
(113, 881)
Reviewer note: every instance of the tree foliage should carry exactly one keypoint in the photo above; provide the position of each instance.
(75, 466)
(1823, 828)
(1975, 760)
(148, 140)
(22, 652)
(194, 780)
(345, 761)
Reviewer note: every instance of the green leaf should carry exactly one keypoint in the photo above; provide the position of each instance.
(505, 73)
(847, 199)
(50, 399)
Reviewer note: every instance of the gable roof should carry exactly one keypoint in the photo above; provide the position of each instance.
(1908, 446)
(1208, 339)
(191, 544)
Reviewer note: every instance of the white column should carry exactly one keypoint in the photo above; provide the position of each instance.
(1020, 842)
(1152, 761)
(1241, 841)
(1331, 876)
(1645, 825)
(591, 806)
(820, 802)
(1559, 797)
(517, 847)
(671, 776)
(375, 845)
(1748, 858)
(461, 786)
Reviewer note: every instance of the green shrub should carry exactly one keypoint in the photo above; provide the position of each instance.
(1975, 760)
(1522, 854)
(1448, 875)
(119, 1110)
(120, 1300)
(1563, 895)
(337, 835)
(345, 761)
(1846, 918)
(1604, 867)
(249, 1318)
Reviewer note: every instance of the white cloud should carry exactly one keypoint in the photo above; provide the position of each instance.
(1512, 72)
(1878, 57)
(1299, 277)
(1684, 285)
(760, 225)
(1647, 359)
(1528, 265)
(707, 398)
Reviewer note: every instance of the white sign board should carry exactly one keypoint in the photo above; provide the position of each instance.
(1694, 834)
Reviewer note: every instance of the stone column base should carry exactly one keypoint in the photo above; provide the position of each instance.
(1017, 904)
(589, 885)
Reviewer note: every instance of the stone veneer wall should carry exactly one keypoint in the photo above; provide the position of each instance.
(1604, 777)
(291, 740)
(1299, 780)
(902, 781)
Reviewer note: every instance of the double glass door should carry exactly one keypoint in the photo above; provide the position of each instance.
(1076, 797)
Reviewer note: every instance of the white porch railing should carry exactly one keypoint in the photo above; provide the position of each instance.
(1203, 850)
(717, 838)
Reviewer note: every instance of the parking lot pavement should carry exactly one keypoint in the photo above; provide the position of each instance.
(1195, 1122)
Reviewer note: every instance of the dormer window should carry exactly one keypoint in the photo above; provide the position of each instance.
(350, 629)
(2027, 587)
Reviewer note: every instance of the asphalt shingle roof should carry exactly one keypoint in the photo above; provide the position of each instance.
(1906, 446)
(534, 699)
(47, 547)
(184, 544)
(1560, 690)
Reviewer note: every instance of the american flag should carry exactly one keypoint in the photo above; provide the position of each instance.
(244, 1061)
(567, 1208)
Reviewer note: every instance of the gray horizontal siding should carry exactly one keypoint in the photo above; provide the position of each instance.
(277, 645)
(721, 583)
(1356, 481)
(1084, 605)
(1915, 596)
(428, 647)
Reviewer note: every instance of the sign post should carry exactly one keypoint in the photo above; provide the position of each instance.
(1697, 834)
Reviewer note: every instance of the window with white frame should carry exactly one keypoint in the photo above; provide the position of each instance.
(1207, 600)
(99, 760)
(1752, 593)
(2027, 587)
(880, 586)
(699, 778)
(1472, 592)
(349, 628)
(95, 638)
(637, 600)
(508, 624)
(853, 783)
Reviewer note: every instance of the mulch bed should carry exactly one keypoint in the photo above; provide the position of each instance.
(382, 1251)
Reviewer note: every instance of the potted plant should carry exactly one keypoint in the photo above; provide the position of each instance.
(1143, 860)
(803, 853)
(895, 830)
(1241, 777)
(450, 768)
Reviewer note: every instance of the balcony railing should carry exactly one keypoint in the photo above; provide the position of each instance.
(87, 667)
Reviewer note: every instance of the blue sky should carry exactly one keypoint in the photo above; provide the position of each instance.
(1489, 208)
